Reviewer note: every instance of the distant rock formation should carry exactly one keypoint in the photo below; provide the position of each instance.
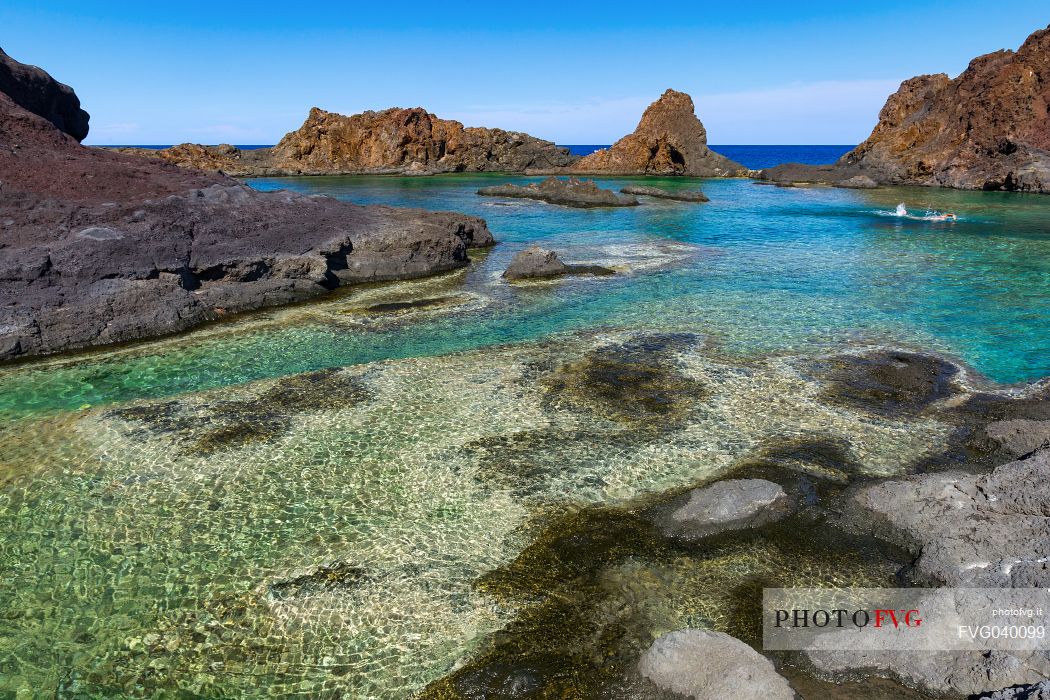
(987, 129)
(101, 247)
(669, 140)
(394, 141)
(35, 91)
(568, 192)
(660, 193)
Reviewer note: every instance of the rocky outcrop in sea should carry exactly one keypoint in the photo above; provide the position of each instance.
(393, 141)
(987, 129)
(102, 247)
(568, 192)
(669, 140)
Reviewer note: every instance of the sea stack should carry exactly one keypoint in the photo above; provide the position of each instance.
(669, 140)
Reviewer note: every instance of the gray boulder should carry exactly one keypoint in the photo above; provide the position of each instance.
(708, 665)
(858, 182)
(989, 530)
(538, 263)
(725, 505)
(571, 192)
(659, 193)
(1036, 691)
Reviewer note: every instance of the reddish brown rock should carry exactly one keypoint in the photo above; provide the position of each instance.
(669, 140)
(987, 129)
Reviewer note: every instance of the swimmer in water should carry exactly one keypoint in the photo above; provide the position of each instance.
(901, 210)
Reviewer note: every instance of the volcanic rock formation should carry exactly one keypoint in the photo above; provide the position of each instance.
(669, 140)
(568, 192)
(99, 247)
(987, 129)
(394, 141)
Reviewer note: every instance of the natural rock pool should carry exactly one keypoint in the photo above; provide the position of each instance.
(420, 485)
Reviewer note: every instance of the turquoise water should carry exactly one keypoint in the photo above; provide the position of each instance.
(163, 503)
(758, 268)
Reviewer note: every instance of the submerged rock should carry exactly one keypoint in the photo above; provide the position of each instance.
(677, 195)
(725, 505)
(535, 262)
(669, 140)
(570, 192)
(709, 665)
(988, 530)
(889, 382)
(336, 576)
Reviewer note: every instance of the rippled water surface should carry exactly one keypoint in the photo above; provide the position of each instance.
(303, 499)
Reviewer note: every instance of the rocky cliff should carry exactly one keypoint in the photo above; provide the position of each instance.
(34, 90)
(394, 141)
(669, 140)
(99, 247)
(989, 129)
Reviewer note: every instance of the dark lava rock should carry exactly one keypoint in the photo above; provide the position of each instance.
(570, 192)
(336, 576)
(858, 182)
(724, 505)
(501, 680)
(889, 382)
(536, 263)
(1016, 438)
(101, 247)
(35, 91)
(677, 195)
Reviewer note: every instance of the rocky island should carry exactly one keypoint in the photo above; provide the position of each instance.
(391, 142)
(987, 129)
(669, 140)
(101, 247)
(569, 192)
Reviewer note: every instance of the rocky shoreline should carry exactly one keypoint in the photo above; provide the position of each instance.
(101, 247)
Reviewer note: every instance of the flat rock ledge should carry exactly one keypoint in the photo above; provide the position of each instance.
(732, 504)
(660, 193)
(708, 665)
(990, 530)
(571, 192)
(538, 263)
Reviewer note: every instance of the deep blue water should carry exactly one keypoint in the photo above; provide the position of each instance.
(755, 157)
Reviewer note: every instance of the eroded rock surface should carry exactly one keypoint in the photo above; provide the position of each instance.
(35, 91)
(669, 140)
(988, 530)
(660, 193)
(569, 192)
(709, 665)
(537, 263)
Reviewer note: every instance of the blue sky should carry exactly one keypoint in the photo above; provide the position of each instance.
(572, 72)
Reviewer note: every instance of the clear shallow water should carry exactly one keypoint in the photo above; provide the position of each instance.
(151, 496)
